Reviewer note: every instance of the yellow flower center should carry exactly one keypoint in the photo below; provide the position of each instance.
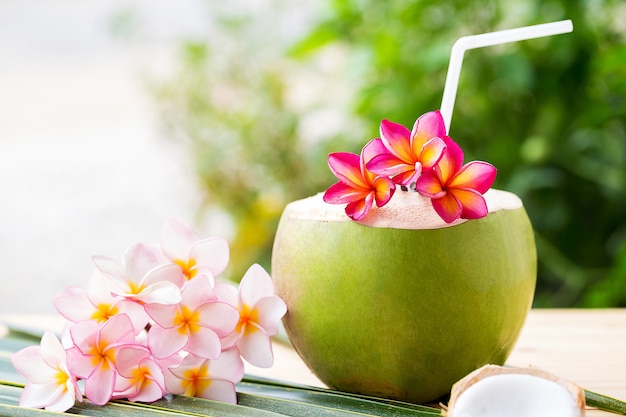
(196, 380)
(187, 267)
(246, 316)
(187, 320)
(104, 312)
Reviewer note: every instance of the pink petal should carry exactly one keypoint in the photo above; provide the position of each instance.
(431, 153)
(389, 165)
(84, 335)
(347, 167)
(256, 347)
(166, 342)
(39, 395)
(340, 193)
(163, 314)
(228, 367)
(474, 205)
(150, 391)
(213, 253)
(128, 358)
(226, 292)
(448, 207)
(385, 188)
(358, 209)
(31, 365)
(73, 304)
(205, 343)
(269, 312)
(109, 268)
(139, 259)
(197, 291)
(81, 365)
(165, 273)
(177, 237)
(427, 126)
(163, 292)
(408, 177)
(429, 185)
(223, 391)
(99, 386)
(63, 400)
(255, 284)
(396, 139)
(476, 175)
(118, 329)
(451, 161)
(52, 351)
(218, 316)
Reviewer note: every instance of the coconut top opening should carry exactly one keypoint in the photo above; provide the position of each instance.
(405, 210)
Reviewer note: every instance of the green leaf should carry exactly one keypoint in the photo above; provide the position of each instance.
(603, 402)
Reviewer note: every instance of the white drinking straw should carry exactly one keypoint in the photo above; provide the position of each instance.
(489, 39)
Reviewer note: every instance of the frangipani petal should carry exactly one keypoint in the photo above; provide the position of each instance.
(473, 203)
(256, 347)
(31, 365)
(212, 253)
(269, 312)
(431, 152)
(197, 291)
(451, 161)
(176, 238)
(427, 126)
(140, 259)
(166, 342)
(205, 343)
(218, 316)
(389, 165)
(476, 175)
(255, 284)
(73, 304)
(347, 167)
(429, 185)
(99, 386)
(385, 188)
(396, 139)
(448, 207)
(340, 193)
(228, 367)
(358, 209)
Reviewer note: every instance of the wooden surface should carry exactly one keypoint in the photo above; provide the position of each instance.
(587, 347)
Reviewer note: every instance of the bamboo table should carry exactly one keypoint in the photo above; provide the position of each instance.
(587, 347)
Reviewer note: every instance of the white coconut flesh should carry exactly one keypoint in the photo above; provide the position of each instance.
(405, 210)
(515, 393)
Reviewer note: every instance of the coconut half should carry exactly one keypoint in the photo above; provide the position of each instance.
(494, 391)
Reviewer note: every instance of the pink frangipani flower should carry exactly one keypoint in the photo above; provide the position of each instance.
(211, 379)
(50, 384)
(142, 376)
(182, 246)
(94, 354)
(456, 190)
(409, 153)
(260, 311)
(195, 325)
(145, 277)
(358, 187)
(98, 303)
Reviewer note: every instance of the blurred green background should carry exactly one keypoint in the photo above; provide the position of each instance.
(260, 111)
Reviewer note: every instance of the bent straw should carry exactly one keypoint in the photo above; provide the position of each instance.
(489, 39)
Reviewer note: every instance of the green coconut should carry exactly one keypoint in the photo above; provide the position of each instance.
(402, 305)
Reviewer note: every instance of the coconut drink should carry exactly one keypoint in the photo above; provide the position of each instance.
(409, 272)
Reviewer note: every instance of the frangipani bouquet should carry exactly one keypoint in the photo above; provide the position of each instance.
(160, 323)
(424, 159)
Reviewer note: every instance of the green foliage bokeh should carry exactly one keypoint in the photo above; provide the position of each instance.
(549, 113)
